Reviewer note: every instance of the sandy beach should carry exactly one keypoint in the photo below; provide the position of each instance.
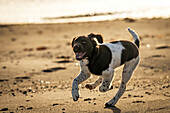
(37, 67)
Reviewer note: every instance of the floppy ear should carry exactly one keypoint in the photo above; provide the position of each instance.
(73, 41)
(97, 36)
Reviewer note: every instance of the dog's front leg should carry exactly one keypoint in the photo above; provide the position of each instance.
(93, 85)
(79, 79)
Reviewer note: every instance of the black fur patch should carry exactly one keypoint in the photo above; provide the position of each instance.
(130, 51)
(137, 43)
(101, 62)
(97, 36)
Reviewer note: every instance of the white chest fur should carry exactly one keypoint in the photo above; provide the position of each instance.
(83, 65)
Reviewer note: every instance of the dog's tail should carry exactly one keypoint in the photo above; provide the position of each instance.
(135, 36)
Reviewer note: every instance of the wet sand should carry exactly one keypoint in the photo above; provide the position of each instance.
(37, 67)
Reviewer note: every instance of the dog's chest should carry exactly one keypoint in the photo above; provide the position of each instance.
(83, 65)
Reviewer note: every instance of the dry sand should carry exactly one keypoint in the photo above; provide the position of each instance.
(37, 67)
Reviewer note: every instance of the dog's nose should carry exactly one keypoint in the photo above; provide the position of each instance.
(76, 48)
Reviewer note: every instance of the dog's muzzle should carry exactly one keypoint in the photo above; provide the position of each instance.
(78, 52)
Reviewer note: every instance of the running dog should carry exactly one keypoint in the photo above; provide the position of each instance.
(101, 59)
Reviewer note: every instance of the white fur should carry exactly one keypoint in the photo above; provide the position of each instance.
(84, 74)
(116, 50)
(83, 65)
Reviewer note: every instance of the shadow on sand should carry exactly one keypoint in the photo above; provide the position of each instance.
(53, 69)
(114, 109)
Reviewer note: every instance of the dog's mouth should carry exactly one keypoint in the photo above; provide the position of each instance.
(80, 55)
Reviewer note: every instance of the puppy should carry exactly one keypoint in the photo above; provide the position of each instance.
(101, 59)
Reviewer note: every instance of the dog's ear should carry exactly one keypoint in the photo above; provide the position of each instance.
(97, 36)
(72, 44)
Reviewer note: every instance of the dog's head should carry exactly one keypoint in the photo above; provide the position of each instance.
(83, 46)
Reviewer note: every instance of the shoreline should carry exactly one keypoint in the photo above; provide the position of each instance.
(128, 19)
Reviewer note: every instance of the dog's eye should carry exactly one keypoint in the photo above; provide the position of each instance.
(84, 42)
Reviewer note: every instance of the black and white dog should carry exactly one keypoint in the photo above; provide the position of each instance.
(101, 59)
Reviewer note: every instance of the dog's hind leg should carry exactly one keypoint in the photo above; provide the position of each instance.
(93, 85)
(107, 82)
(126, 75)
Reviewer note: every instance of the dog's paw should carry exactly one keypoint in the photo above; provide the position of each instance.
(89, 86)
(109, 105)
(75, 94)
(103, 88)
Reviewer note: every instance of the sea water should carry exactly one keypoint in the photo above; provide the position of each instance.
(64, 11)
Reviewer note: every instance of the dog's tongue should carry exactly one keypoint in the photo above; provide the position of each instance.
(79, 55)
